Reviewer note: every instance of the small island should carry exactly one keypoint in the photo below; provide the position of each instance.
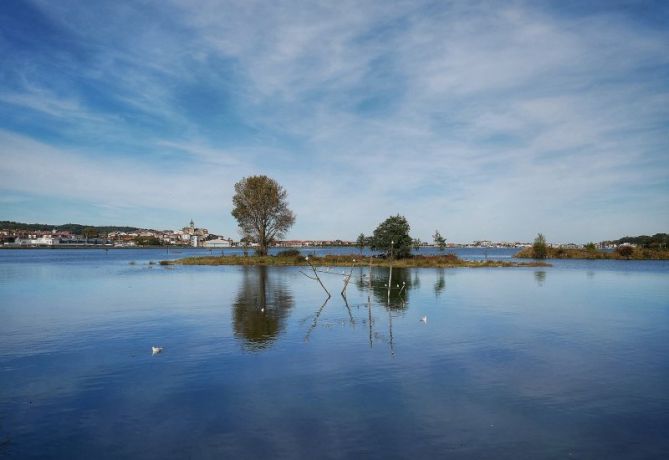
(294, 258)
(627, 248)
(579, 253)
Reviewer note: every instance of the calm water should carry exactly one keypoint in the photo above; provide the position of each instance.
(569, 361)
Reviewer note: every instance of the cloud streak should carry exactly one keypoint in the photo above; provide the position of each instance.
(484, 120)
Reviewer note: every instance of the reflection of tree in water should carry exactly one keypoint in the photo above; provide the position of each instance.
(540, 277)
(416, 281)
(440, 284)
(261, 308)
(401, 277)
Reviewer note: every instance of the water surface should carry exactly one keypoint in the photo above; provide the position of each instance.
(568, 361)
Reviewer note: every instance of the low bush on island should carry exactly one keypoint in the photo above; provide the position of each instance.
(621, 253)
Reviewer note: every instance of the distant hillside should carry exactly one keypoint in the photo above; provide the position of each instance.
(659, 240)
(74, 228)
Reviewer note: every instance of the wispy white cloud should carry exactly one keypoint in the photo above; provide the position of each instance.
(484, 120)
(33, 167)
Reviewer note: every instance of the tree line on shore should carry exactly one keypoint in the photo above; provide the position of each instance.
(624, 250)
(260, 206)
(76, 229)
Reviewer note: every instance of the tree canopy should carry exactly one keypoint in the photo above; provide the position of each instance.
(89, 232)
(539, 248)
(657, 241)
(261, 209)
(147, 241)
(76, 229)
(392, 236)
(439, 240)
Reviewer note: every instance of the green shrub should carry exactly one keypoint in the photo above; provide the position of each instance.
(539, 248)
(288, 253)
(147, 241)
(392, 237)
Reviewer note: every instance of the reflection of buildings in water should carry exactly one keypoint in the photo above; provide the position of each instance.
(261, 308)
(540, 277)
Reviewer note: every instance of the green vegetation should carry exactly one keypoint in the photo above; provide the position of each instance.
(147, 241)
(539, 248)
(439, 240)
(392, 237)
(261, 210)
(76, 229)
(441, 261)
(564, 253)
(657, 241)
(89, 232)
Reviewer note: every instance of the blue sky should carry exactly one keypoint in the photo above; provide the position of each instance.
(487, 120)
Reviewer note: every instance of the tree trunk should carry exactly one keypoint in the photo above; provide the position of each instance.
(262, 241)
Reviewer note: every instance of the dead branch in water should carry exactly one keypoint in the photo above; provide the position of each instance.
(317, 277)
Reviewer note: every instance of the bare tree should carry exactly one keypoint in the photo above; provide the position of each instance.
(261, 210)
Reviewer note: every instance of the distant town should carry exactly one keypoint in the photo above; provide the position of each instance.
(13, 234)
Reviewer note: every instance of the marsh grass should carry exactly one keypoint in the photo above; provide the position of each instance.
(589, 253)
(439, 261)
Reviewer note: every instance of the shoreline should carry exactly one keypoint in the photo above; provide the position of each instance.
(584, 254)
(97, 247)
(442, 261)
(102, 246)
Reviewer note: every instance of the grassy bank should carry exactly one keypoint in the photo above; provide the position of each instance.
(562, 253)
(442, 261)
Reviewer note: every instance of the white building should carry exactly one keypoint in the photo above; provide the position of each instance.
(218, 243)
(45, 240)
